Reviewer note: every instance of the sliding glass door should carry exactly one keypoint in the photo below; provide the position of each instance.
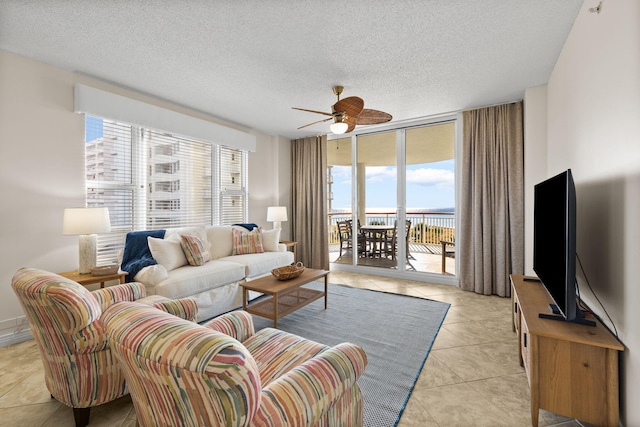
(392, 200)
(377, 199)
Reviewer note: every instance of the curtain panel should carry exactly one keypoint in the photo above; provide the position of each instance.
(491, 238)
(309, 204)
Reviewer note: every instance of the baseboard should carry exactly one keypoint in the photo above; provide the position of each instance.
(15, 337)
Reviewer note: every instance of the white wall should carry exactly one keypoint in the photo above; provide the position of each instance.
(270, 166)
(593, 127)
(42, 170)
(535, 160)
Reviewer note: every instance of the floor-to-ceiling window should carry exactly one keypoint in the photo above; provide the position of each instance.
(392, 200)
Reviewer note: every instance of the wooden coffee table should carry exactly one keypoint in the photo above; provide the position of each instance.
(286, 296)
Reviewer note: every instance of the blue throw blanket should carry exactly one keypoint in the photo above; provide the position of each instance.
(136, 252)
(249, 226)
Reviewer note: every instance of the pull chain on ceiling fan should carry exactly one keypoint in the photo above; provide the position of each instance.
(347, 113)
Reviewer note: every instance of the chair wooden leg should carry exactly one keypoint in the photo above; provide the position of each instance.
(81, 416)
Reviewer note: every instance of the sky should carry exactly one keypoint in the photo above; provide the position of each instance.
(428, 186)
(93, 128)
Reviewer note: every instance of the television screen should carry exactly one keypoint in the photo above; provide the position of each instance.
(554, 240)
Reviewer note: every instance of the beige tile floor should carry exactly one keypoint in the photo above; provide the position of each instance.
(472, 376)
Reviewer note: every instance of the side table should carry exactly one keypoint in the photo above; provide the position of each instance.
(291, 245)
(88, 279)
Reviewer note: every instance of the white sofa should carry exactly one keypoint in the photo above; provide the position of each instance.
(215, 284)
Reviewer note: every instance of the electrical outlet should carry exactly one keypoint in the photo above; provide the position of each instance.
(21, 324)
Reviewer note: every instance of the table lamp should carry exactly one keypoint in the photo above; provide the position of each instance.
(86, 223)
(277, 214)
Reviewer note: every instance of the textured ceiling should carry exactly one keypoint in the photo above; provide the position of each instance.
(250, 61)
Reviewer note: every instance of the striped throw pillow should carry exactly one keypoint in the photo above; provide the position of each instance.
(195, 248)
(247, 242)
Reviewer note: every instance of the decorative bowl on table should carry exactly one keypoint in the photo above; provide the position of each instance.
(104, 270)
(288, 271)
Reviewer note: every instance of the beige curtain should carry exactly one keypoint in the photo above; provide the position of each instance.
(491, 238)
(309, 204)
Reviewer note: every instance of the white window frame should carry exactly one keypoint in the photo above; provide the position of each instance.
(110, 245)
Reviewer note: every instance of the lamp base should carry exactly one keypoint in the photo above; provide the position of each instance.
(277, 224)
(87, 246)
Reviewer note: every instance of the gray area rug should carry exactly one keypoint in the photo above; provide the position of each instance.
(396, 331)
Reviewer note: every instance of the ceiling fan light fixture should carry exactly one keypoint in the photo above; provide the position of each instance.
(339, 127)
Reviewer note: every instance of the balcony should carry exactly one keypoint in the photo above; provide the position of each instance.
(425, 236)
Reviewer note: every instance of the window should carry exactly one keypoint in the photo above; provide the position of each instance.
(152, 180)
(231, 184)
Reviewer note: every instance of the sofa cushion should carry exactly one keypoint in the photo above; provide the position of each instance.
(271, 239)
(220, 239)
(152, 274)
(195, 248)
(190, 280)
(168, 252)
(199, 230)
(260, 264)
(247, 242)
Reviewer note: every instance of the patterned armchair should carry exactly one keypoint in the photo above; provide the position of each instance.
(65, 319)
(180, 373)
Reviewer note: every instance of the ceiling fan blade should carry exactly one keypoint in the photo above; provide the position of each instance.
(351, 127)
(319, 121)
(313, 111)
(372, 117)
(352, 106)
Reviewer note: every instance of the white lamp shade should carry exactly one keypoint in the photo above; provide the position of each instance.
(78, 221)
(277, 213)
(339, 127)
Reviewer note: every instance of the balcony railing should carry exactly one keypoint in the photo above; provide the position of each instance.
(427, 228)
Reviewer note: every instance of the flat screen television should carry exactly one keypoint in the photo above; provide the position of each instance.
(554, 245)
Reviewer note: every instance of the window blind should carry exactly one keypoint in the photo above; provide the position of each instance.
(152, 180)
(109, 180)
(178, 181)
(231, 186)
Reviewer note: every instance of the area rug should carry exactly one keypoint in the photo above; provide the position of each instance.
(396, 331)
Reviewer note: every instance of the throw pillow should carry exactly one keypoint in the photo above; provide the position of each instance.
(220, 238)
(271, 239)
(195, 248)
(247, 242)
(152, 275)
(168, 252)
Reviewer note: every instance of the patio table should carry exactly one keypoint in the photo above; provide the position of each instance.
(376, 238)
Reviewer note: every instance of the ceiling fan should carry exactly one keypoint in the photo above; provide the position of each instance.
(347, 113)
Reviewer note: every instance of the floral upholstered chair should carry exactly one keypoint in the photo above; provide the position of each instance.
(224, 374)
(66, 322)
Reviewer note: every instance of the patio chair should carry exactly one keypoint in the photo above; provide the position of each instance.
(391, 243)
(223, 373)
(345, 232)
(448, 251)
(67, 324)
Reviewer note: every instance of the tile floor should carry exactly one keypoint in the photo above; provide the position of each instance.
(472, 376)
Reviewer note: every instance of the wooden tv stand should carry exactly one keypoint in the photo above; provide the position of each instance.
(572, 369)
